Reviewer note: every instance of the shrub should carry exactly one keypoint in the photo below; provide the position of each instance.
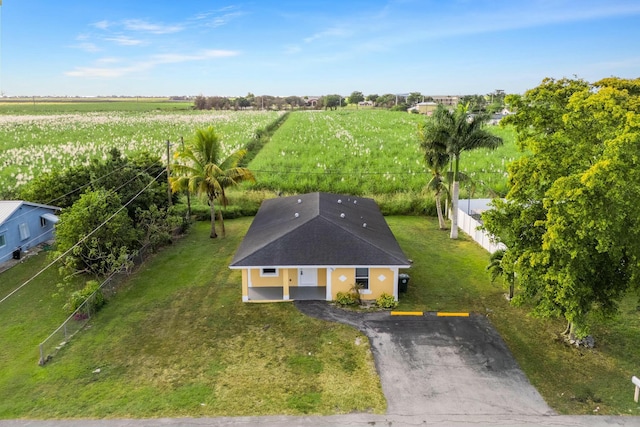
(77, 298)
(347, 298)
(386, 301)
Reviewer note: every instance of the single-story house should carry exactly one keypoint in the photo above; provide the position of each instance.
(314, 245)
(24, 225)
(426, 108)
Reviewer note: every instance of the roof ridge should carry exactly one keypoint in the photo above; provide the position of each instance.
(350, 230)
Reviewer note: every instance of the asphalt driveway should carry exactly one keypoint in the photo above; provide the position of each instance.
(431, 365)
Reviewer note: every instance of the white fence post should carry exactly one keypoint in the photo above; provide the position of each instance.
(636, 381)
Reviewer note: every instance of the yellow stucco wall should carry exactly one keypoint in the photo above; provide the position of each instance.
(376, 286)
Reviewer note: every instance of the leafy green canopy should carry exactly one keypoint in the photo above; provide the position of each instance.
(98, 232)
(570, 219)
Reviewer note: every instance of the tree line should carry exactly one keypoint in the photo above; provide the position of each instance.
(489, 103)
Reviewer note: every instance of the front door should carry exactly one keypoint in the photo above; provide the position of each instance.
(307, 277)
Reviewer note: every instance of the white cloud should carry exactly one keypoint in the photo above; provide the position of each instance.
(330, 33)
(102, 25)
(152, 62)
(98, 72)
(109, 60)
(292, 49)
(125, 41)
(87, 47)
(206, 54)
(148, 27)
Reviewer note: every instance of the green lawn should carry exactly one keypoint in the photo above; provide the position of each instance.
(178, 341)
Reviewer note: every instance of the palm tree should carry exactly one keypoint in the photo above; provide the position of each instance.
(453, 132)
(496, 269)
(202, 170)
(436, 162)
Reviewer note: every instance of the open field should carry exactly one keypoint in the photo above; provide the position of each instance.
(36, 105)
(31, 144)
(365, 152)
(178, 341)
(373, 152)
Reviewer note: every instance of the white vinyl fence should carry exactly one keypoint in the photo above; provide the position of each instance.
(467, 210)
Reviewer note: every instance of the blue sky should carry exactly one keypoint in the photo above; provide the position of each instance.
(191, 47)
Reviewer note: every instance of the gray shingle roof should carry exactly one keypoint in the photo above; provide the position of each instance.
(319, 229)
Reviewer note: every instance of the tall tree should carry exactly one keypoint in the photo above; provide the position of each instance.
(454, 132)
(437, 159)
(332, 102)
(202, 168)
(414, 98)
(569, 220)
(356, 97)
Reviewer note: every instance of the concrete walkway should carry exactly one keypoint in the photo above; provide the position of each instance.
(351, 420)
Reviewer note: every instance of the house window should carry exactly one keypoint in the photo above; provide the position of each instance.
(24, 231)
(362, 277)
(269, 272)
(3, 242)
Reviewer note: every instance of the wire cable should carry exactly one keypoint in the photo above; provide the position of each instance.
(81, 240)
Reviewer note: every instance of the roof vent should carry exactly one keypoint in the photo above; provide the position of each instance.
(296, 214)
(355, 202)
(342, 215)
(299, 200)
(364, 225)
(339, 200)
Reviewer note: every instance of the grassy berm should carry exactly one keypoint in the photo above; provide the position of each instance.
(177, 340)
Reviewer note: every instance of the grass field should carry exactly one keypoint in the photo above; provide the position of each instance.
(37, 105)
(368, 152)
(31, 144)
(365, 152)
(177, 341)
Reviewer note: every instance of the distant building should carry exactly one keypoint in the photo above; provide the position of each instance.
(446, 100)
(312, 102)
(426, 108)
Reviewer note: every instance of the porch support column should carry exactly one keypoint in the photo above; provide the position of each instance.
(246, 272)
(395, 284)
(285, 284)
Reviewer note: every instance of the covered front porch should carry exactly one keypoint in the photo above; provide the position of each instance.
(276, 293)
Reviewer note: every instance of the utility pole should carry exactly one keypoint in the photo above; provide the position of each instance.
(188, 189)
(169, 173)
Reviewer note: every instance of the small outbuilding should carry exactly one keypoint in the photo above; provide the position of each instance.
(24, 225)
(314, 245)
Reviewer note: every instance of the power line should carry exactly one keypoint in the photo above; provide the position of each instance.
(346, 173)
(82, 239)
(14, 218)
(87, 184)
